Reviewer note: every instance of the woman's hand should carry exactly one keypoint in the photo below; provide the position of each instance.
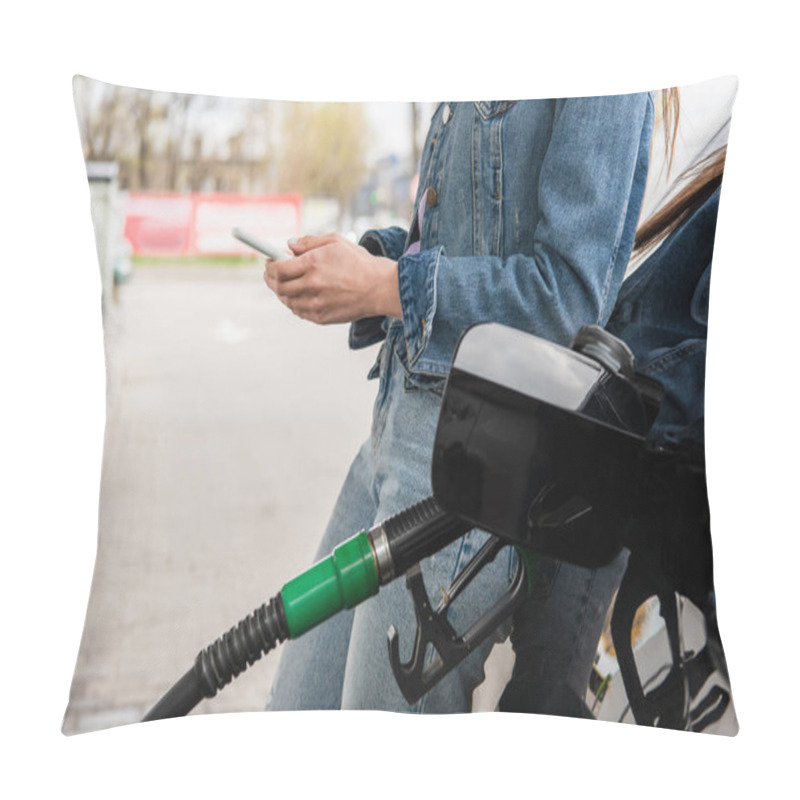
(330, 280)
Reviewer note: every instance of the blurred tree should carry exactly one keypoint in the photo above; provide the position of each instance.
(102, 117)
(143, 110)
(324, 150)
(116, 125)
(254, 148)
(197, 143)
(178, 121)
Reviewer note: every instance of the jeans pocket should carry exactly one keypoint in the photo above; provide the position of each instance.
(380, 407)
(418, 381)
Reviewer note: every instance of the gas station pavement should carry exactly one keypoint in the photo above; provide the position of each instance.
(230, 427)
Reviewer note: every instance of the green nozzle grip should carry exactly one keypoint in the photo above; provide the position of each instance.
(342, 580)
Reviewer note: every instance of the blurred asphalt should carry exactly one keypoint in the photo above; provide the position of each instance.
(230, 426)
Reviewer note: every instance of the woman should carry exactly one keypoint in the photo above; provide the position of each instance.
(525, 215)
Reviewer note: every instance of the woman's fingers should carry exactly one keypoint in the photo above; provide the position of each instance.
(311, 242)
(331, 279)
(283, 271)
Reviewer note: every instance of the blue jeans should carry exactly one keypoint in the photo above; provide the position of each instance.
(555, 637)
(344, 663)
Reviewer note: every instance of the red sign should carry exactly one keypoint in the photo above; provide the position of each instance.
(200, 224)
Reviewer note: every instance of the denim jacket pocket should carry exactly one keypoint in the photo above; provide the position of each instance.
(492, 108)
(681, 371)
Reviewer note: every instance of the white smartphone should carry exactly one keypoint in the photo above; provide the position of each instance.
(269, 249)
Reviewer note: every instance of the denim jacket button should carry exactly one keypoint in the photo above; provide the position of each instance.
(431, 197)
(446, 114)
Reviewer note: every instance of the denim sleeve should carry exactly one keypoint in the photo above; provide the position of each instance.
(589, 198)
(390, 243)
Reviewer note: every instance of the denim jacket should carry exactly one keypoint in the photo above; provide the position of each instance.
(530, 209)
(662, 315)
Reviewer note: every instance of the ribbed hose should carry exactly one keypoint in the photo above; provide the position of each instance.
(222, 661)
(411, 535)
(420, 531)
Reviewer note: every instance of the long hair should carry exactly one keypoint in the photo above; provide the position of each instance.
(669, 102)
(694, 186)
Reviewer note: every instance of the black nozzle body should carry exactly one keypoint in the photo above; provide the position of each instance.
(419, 531)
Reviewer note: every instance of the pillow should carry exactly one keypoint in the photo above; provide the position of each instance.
(231, 422)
